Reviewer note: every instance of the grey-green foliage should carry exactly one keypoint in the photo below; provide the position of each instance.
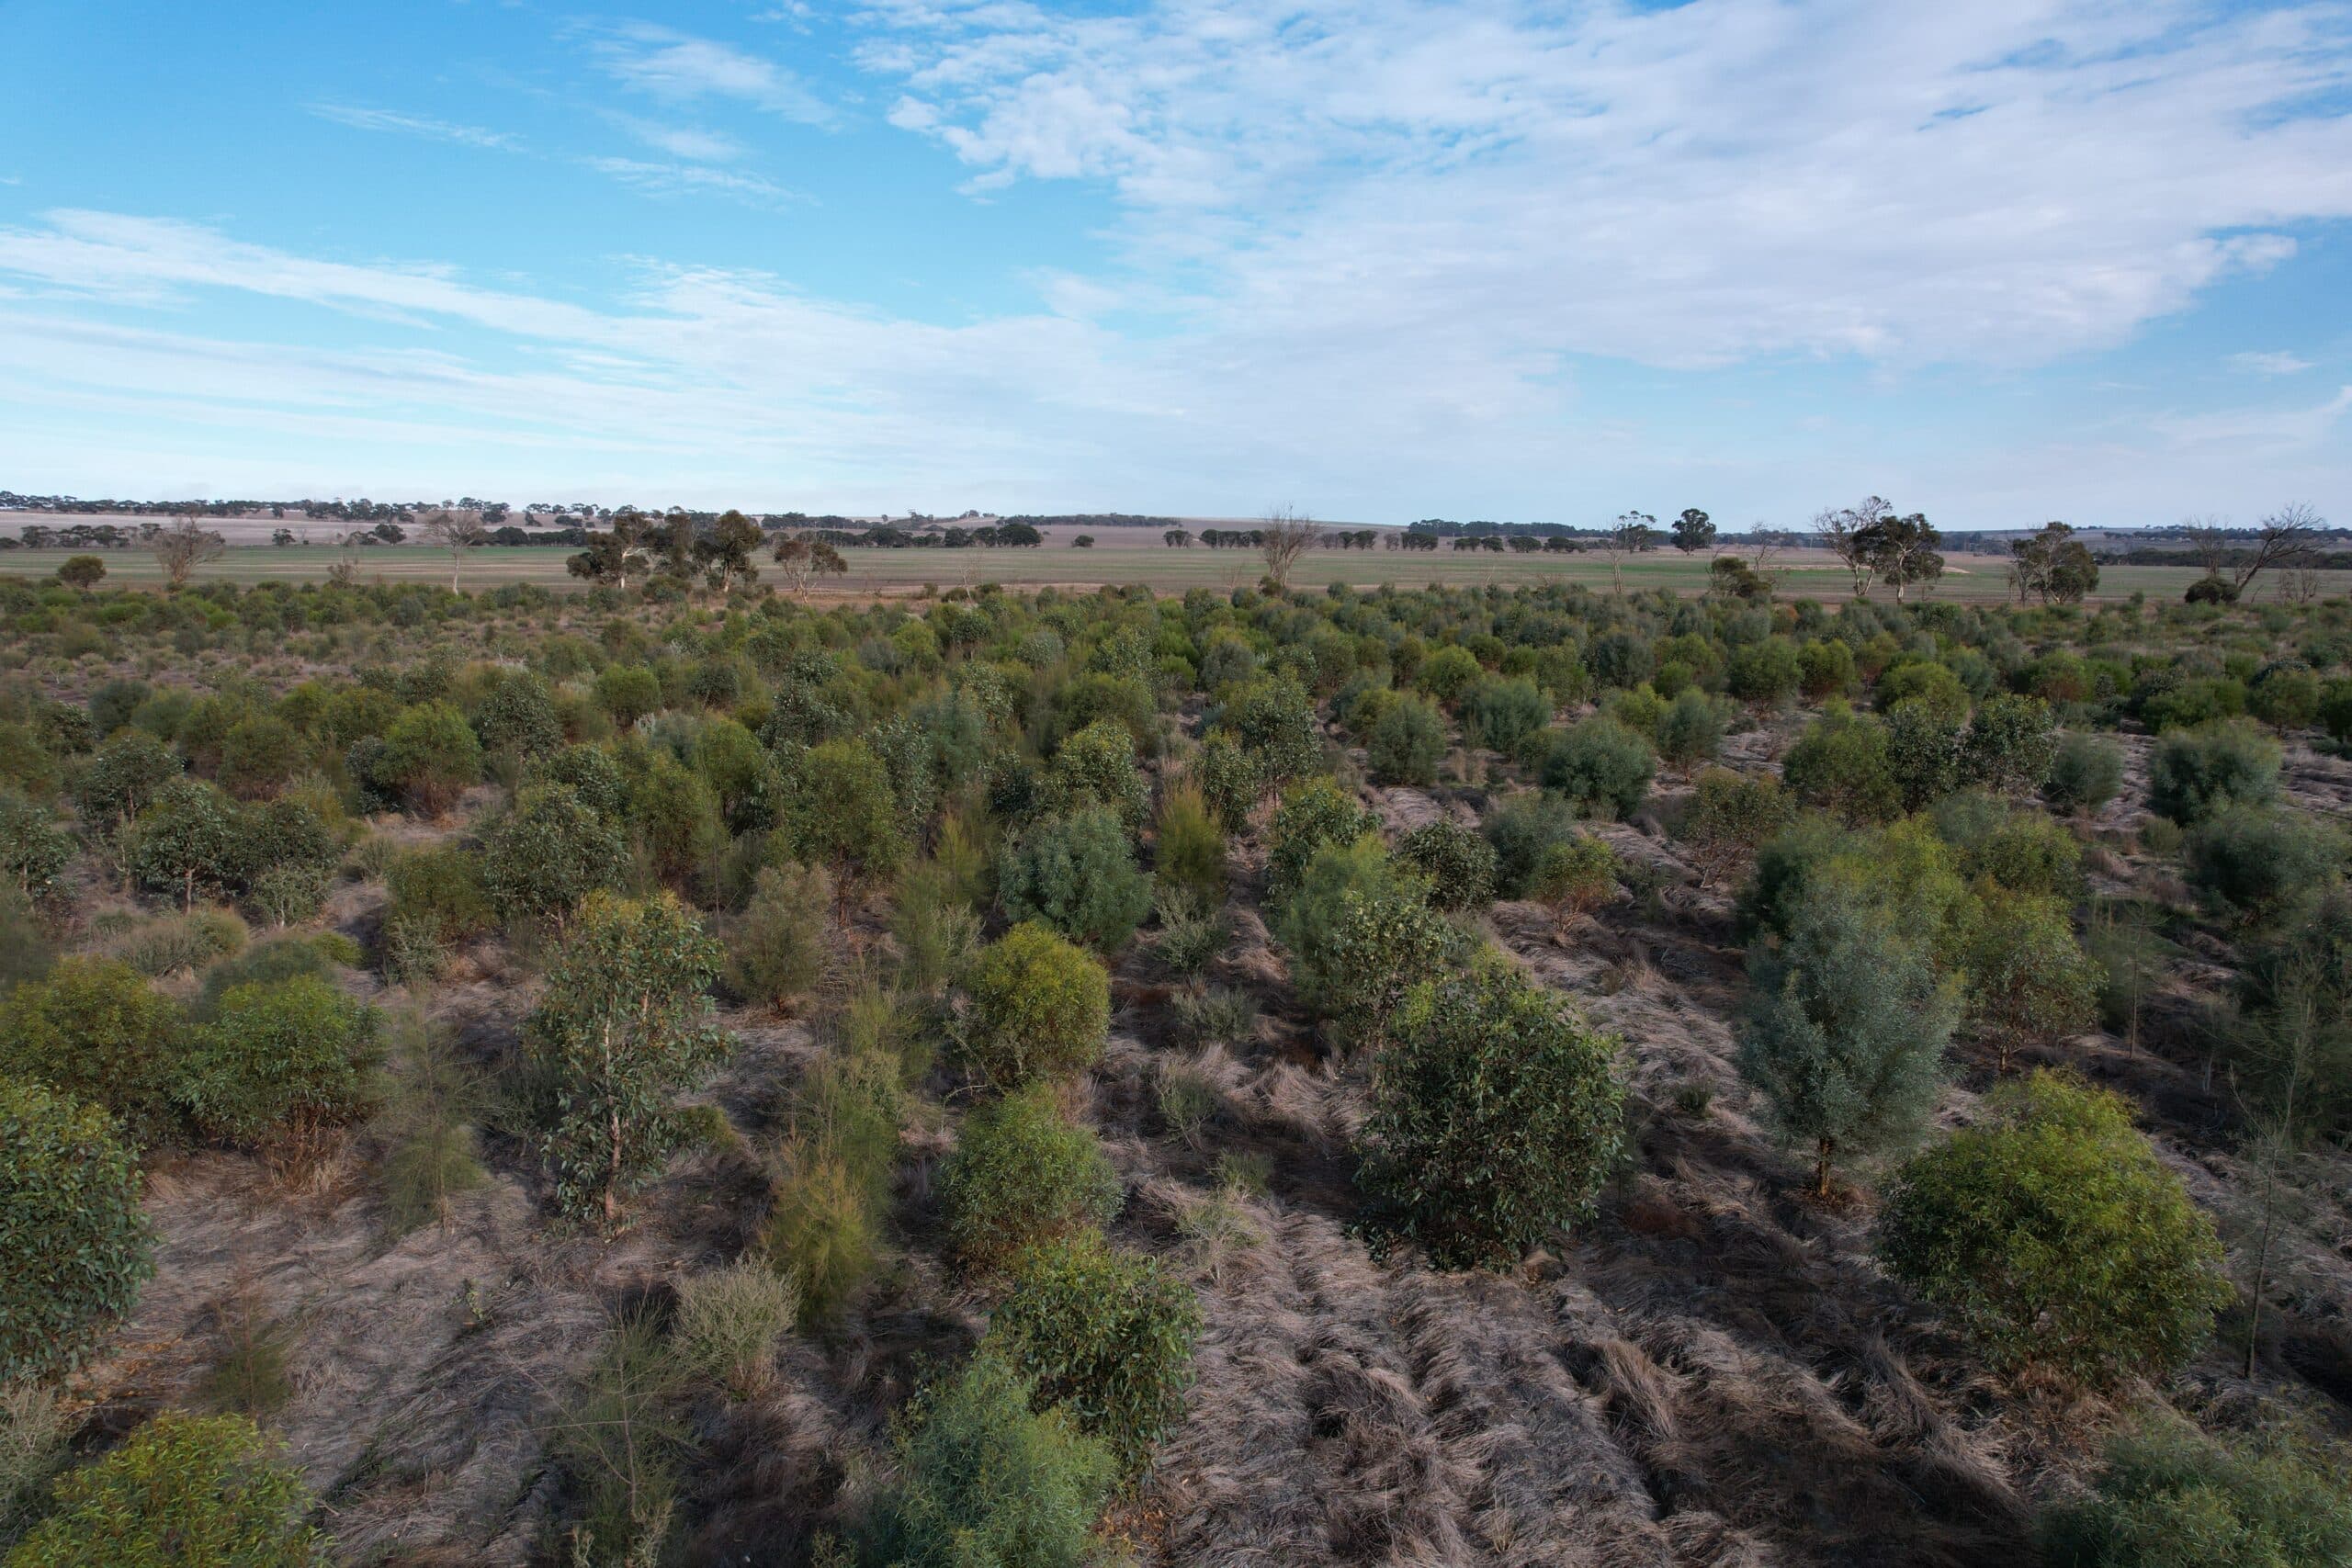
(1600, 767)
(1847, 1028)
(2168, 1497)
(1078, 875)
(550, 852)
(983, 1481)
(1407, 743)
(2194, 774)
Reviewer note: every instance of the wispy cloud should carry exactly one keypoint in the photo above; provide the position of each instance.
(681, 68)
(2278, 363)
(674, 179)
(690, 142)
(391, 121)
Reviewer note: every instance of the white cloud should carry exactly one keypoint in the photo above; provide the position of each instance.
(680, 68)
(2004, 182)
(691, 143)
(675, 179)
(361, 119)
(2274, 363)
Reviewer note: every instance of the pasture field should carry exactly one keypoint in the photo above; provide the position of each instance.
(1123, 557)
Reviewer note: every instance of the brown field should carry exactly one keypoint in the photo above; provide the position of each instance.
(1121, 556)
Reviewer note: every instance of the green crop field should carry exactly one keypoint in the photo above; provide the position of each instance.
(1118, 560)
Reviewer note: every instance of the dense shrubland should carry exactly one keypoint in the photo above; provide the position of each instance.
(936, 1052)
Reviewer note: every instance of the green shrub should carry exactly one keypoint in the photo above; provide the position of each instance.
(517, 716)
(2255, 862)
(429, 758)
(1456, 862)
(33, 848)
(441, 890)
(540, 860)
(1846, 1028)
(1022, 1174)
(1689, 731)
(1040, 1010)
(629, 693)
(728, 1323)
(776, 948)
(1096, 767)
(1600, 768)
(73, 1246)
(1730, 818)
(1360, 935)
(2023, 852)
(622, 1030)
(1309, 817)
(187, 838)
(1108, 1337)
(2168, 1497)
(2010, 746)
(1840, 765)
(841, 809)
(1077, 874)
(1214, 1016)
(2053, 1235)
(1407, 744)
(1576, 875)
(179, 942)
(116, 784)
(823, 1231)
(2028, 980)
(2196, 773)
(181, 1492)
(96, 1030)
(1503, 713)
(2086, 775)
(279, 1060)
(1520, 829)
(428, 1128)
(984, 1482)
(1923, 753)
(35, 1427)
(1189, 848)
(619, 1439)
(1497, 1114)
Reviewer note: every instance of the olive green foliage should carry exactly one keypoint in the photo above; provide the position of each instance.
(1188, 849)
(95, 1030)
(1407, 743)
(1503, 712)
(1096, 767)
(1923, 751)
(1272, 719)
(2028, 980)
(1846, 1030)
(1730, 816)
(1455, 861)
(622, 1030)
(73, 1247)
(842, 811)
(1521, 829)
(728, 1321)
(823, 1231)
(1577, 875)
(2168, 1497)
(982, 1482)
(1078, 875)
(184, 839)
(2256, 863)
(117, 782)
(181, 1492)
(430, 756)
(517, 714)
(1039, 1009)
(619, 1437)
(33, 848)
(1600, 767)
(440, 890)
(539, 860)
(280, 1060)
(2085, 774)
(1690, 731)
(776, 948)
(1021, 1174)
(2052, 1236)
(1840, 765)
(1106, 1335)
(1359, 934)
(2196, 773)
(2010, 746)
(1496, 1114)
(434, 1105)
(2021, 850)
(1309, 816)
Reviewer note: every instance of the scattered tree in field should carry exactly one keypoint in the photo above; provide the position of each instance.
(457, 533)
(1846, 1032)
(1496, 1114)
(1848, 533)
(1283, 538)
(81, 571)
(182, 548)
(623, 1030)
(1693, 531)
(2278, 539)
(2052, 1236)
(73, 1246)
(725, 551)
(2053, 566)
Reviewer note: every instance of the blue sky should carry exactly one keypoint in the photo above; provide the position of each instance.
(2085, 259)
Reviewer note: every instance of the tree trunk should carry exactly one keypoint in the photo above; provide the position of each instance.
(1821, 1170)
